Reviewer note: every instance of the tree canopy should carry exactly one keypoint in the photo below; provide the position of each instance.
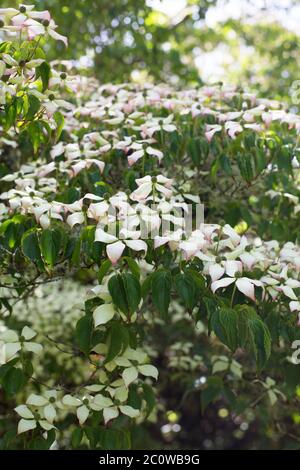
(149, 247)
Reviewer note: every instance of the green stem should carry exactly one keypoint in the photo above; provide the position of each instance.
(232, 296)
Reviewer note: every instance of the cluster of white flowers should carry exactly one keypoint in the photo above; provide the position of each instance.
(128, 126)
(30, 22)
(122, 110)
(227, 257)
(45, 409)
(20, 71)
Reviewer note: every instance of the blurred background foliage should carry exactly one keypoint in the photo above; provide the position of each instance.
(253, 43)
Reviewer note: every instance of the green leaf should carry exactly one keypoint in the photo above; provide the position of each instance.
(212, 391)
(214, 170)
(33, 107)
(43, 71)
(7, 439)
(124, 439)
(83, 333)
(91, 304)
(225, 164)
(60, 121)
(244, 161)
(229, 396)
(50, 243)
(51, 435)
(13, 381)
(117, 341)
(27, 367)
(186, 288)
(39, 443)
(13, 229)
(103, 270)
(75, 258)
(87, 238)
(197, 278)
(92, 435)
(10, 113)
(134, 398)
(133, 291)
(224, 322)
(133, 266)
(149, 398)
(125, 291)
(6, 367)
(194, 150)
(261, 341)
(30, 246)
(146, 286)
(260, 160)
(76, 437)
(115, 439)
(161, 291)
(36, 134)
(254, 334)
(117, 291)
(273, 323)
(4, 302)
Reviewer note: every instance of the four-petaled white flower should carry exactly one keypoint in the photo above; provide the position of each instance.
(116, 245)
(152, 184)
(158, 124)
(12, 343)
(30, 419)
(142, 149)
(233, 269)
(86, 404)
(47, 404)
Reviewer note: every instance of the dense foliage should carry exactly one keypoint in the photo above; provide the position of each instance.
(128, 39)
(123, 36)
(100, 183)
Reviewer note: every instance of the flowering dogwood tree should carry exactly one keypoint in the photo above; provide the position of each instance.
(173, 207)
